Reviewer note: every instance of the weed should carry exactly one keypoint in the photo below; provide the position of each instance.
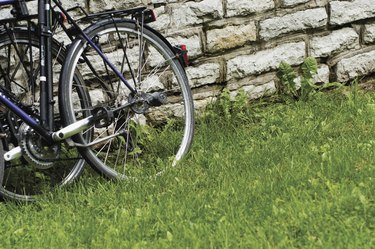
(291, 90)
(229, 109)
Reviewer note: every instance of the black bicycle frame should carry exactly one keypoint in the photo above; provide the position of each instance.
(46, 75)
(46, 126)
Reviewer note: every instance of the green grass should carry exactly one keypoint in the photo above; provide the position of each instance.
(272, 176)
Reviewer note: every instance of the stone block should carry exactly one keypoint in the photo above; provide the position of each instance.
(264, 61)
(190, 38)
(212, 8)
(183, 15)
(256, 91)
(323, 74)
(298, 21)
(349, 11)
(246, 7)
(293, 2)
(356, 66)
(100, 5)
(5, 12)
(67, 4)
(163, 1)
(337, 41)
(255, 87)
(230, 36)
(369, 33)
(204, 74)
(206, 92)
(163, 19)
(321, 77)
(194, 13)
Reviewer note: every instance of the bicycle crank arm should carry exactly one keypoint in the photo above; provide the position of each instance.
(13, 154)
(57, 136)
(72, 129)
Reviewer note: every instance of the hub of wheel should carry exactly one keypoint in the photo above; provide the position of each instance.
(143, 101)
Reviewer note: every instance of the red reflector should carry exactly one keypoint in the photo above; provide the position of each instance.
(153, 15)
(185, 54)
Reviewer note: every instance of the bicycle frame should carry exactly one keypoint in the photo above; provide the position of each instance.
(4, 2)
(45, 126)
(46, 110)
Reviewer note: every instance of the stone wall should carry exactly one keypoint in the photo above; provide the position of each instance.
(238, 44)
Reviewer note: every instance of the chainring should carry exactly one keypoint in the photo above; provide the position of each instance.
(34, 151)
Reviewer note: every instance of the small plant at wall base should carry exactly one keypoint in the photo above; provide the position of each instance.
(229, 108)
(303, 87)
(289, 88)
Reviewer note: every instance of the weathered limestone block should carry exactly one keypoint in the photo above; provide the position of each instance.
(322, 2)
(322, 76)
(5, 12)
(100, 5)
(337, 41)
(230, 36)
(255, 92)
(97, 96)
(189, 37)
(301, 20)
(152, 83)
(213, 8)
(163, 19)
(193, 13)
(67, 4)
(204, 74)
(200, 105)
(349, 11)
(183, 15)
(356, 66)
(293, 2)
(204, 96)
(163, 1)
(369, 33)
(262, 85)
(206, 92)
(245, 7)
(264, 61)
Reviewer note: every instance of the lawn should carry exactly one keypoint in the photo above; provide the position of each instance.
(295, 175)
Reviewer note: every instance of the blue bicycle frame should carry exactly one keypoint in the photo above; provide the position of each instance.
(4, 2)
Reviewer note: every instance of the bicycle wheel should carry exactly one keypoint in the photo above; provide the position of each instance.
(147, 138)
(35, 172)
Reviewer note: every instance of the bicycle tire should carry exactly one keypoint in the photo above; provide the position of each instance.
(21, 180)
(149, 142)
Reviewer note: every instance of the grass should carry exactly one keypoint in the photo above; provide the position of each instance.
(269, 176)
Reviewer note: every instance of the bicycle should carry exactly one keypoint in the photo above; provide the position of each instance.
(124, 102)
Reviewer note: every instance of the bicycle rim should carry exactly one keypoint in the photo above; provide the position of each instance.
(151, 139)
